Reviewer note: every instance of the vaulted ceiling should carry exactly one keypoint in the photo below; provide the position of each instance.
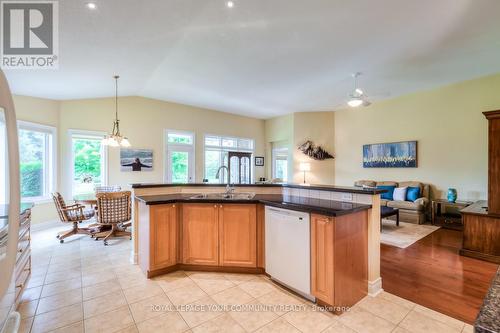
(264, 58)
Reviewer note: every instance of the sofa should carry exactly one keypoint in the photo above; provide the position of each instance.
(409, 211)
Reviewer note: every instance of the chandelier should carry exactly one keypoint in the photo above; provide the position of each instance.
(115, 138)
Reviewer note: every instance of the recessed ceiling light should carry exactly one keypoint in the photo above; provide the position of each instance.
(91, 5)
(230, 4)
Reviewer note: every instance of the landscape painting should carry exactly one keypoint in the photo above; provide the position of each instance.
(390, 155)
(136, 159)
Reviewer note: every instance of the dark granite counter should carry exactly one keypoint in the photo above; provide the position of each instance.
(310, 205)
(333, 188)
(488, 319)
(479, 208)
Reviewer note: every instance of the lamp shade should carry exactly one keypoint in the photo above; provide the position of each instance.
(305, 166)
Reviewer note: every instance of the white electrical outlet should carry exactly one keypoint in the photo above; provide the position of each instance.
(346, 196)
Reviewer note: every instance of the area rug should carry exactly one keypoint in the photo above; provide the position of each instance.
(404, 235)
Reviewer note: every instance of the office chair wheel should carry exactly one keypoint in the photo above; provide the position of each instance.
(105, 243)
(58, 236)
(61, 241)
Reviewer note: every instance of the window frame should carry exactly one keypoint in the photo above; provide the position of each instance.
(274, 153)
(70, 157)
(190, 148)
(221, 149)
(50, 155)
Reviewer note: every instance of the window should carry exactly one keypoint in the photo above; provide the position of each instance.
(180, 157)
(37, 160)
(280, 163)
(216, 155)
(88, 161)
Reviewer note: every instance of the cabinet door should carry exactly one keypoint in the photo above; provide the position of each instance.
(238, 235)
(163, 236)
(200, 234)
(322, 247)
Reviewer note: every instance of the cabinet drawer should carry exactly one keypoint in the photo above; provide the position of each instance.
(22, 277)
(23, 244)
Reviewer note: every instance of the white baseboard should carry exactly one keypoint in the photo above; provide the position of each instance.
(375, 287)
(133, 258)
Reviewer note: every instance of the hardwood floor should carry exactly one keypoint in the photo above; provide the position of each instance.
(432, 273)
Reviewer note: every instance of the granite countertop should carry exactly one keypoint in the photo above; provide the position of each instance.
(333, 188)
(478, 208)
(488, 319)
(310, 205)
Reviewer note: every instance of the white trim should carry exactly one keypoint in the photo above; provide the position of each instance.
(69, 155)
(184, 147)
(375, 287)
(50, 166)
(274, 152)
(220, 148)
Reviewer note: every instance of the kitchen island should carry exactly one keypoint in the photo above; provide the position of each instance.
(191, 227)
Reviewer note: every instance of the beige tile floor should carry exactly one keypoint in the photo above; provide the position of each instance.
(83, 286)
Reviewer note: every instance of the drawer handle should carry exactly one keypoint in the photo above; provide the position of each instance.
(20, 250)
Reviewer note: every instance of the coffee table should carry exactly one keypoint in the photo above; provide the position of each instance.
(385, 212)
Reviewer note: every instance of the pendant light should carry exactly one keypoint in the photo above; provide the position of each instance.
(116, 139)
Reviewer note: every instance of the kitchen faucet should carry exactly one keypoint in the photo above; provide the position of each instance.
(229, 189)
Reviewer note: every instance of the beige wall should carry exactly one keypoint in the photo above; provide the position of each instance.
(143, 121)
(448, 125)
(293, 130)
(45, 112)
(279, 133)
(319, 128)
(447, 122)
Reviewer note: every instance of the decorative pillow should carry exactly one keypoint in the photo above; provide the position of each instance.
(387, 195)
(400, 193)
(413, 193)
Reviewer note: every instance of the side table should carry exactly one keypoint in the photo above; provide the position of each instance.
(447, 214)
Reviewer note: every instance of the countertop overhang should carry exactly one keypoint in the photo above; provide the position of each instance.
(333, 188)
(309, 205)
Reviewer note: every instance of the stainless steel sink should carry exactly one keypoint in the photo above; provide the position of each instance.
(224, 196)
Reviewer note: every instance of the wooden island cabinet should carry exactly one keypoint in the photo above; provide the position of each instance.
(198, 236)
(339, 259)
(230, 237)
(158, 243)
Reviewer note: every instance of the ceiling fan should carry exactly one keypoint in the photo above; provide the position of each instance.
(357, 97)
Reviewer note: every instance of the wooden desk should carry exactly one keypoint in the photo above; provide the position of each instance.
(481, 233)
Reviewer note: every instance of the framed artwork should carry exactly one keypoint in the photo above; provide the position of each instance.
(259, 161)
(390, 155)
(132, 159)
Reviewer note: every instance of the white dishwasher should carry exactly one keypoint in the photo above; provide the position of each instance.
(288, 249)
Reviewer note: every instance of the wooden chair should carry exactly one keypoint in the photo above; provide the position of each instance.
(71, 214)
(113, 208)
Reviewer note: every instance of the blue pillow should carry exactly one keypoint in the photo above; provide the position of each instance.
(389, 195)
(412, 193)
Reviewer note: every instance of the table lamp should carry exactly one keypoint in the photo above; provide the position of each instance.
(305, 167)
